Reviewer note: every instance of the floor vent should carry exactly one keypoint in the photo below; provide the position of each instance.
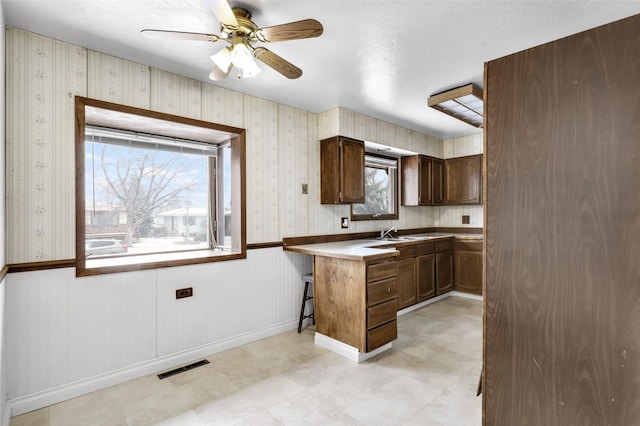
(182, 369)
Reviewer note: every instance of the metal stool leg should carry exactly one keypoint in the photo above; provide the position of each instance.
(307, 280)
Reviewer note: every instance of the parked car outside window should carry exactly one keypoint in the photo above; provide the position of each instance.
(99, 247)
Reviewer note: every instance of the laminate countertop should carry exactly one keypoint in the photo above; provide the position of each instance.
(372, 249)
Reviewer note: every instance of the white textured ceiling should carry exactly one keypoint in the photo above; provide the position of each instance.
(379, 58)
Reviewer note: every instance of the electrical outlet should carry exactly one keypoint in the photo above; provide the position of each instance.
(184, 292)
(305, 188)
(466, 219)
(344, 223)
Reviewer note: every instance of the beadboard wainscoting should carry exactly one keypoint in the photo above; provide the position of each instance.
(71, 336)
(4, 388)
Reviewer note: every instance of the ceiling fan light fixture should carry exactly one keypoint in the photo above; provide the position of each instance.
(241, 57)
(239, 32)
(222, 59)
(251, 70)
(464, 103)
(219, 74)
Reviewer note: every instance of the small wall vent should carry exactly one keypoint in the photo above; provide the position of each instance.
(182, 369)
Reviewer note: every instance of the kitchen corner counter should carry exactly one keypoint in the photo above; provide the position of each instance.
(373, 249)
(353, 249)
(358, 285)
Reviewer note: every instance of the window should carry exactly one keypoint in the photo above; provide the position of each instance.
(380, 190)
(155, 190)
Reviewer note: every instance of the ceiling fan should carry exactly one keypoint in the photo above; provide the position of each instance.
(241, 33)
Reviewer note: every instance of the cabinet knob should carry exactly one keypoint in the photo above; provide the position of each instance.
(388, 289)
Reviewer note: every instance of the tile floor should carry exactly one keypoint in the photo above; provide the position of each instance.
(429, 377)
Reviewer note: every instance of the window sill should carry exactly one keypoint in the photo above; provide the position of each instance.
(109, 265)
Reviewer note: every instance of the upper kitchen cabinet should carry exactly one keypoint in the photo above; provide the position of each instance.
(341, 171)
(437, 181)
(422, 180)
(463, 180)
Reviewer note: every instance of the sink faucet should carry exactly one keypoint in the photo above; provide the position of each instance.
(385, 233)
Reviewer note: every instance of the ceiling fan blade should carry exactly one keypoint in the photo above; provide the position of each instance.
(306, 28)
(223, 12)
(178, 35)
(277, 63)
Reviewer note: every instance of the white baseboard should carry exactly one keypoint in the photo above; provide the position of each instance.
(347, 351)
(7, 416)
(422, 304)
(437, 299)
(35, 401)
(466, 295)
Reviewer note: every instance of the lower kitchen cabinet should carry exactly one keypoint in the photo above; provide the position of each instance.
(426, 266)
(356, 301)
(444, 266)
(468, 266)
(382, 303)
(406, 282)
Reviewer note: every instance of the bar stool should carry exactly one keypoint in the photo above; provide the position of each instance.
(307, 279)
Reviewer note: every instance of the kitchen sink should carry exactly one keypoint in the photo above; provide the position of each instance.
(403, 238)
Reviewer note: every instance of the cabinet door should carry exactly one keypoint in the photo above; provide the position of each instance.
(426, 276)
(463, 180)
(352, 171)
(437, 180)
(417, 180)
(444, 272)
(468, 274)
(406, 282)
(341, 171)
(425, 170)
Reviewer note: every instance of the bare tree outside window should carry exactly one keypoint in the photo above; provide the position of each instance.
(144, 181)
(379, 188)
(156, 195)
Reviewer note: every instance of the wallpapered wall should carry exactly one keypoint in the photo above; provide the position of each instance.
(43, 77)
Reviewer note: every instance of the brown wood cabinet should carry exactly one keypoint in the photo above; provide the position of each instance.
(418, 271)
(437, 181)
(382, 303)
(422, 180)
(356, 302)
(463, 180)
(341, 171)
(407, 294)
(468, 266)
(444, 266)
(426, 266)
(428, 181)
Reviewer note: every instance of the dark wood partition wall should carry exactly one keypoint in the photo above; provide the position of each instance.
(562, 323)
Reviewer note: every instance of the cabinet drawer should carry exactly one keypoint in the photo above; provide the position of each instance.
(469, 245)
(381, 290)
(382, 335)
(381, 313)
(426, 248)
(444, 245)
(383, 270)
(406, 251)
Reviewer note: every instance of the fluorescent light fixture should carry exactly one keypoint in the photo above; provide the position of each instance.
(464, 103)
